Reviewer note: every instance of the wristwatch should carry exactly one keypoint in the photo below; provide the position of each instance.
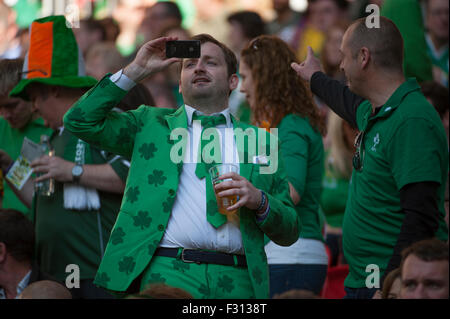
(77, 171)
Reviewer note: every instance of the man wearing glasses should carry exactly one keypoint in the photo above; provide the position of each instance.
(401, 161)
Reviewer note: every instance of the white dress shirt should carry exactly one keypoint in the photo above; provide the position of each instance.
(187, 226)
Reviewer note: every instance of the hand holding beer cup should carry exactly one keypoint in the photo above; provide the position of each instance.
(237, 190)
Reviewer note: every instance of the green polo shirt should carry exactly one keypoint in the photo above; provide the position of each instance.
(303, 155)
(11, 140)
(404, 143)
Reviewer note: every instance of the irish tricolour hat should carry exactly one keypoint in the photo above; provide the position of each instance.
(53, 57)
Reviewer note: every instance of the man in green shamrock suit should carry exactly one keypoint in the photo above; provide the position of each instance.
(169, 228)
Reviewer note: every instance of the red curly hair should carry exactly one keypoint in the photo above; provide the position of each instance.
(279, 90)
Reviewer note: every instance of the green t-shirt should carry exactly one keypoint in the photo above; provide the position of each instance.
(404, 143)
(303, 155)
(11, 142)
(334, 195)
(78, 237)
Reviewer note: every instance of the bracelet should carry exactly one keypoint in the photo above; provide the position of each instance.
(263, 201)
(262, 216)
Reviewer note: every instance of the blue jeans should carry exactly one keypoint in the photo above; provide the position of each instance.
(297, 276)
(359, 293)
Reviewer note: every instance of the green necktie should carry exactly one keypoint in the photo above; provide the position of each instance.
(202, 169)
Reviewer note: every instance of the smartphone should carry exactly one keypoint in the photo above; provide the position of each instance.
(183, 49)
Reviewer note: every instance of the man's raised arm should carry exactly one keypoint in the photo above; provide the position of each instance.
(91, 118)
(336, 95)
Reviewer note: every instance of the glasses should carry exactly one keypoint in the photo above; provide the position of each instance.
(358, 156)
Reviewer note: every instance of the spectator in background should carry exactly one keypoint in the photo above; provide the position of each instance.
(396, 195)
(9, 43)
(407, 16)
(331, 55)
(331, 59)
(102, 58)
(111, 28)
(243, 27)
(320, 16)
(17, 267)
(436, 22)
(424, 270)
(129, 15)
(285, 21)
(211, 17)
(45, 289)
(17, 121)
(159, 17)
(303, 265)
(89, 33)
(437, 95)
(392, 285)
(336, 182)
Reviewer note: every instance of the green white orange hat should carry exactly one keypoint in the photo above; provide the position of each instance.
(53, 57)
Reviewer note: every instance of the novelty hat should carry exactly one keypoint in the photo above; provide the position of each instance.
(53, 57)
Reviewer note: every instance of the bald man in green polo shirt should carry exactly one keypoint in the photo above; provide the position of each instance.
(397, 188)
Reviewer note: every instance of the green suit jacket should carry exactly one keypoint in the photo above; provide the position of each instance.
(144, 136)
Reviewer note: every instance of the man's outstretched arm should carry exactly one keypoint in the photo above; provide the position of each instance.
(91, 118)
(336, 95)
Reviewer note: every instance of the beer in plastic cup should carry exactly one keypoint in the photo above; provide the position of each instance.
(223, 202)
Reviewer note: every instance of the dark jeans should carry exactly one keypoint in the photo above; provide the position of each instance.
(297, 276)
(88, 290)
(359, 293)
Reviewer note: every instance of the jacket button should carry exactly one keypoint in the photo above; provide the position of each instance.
(171, 192)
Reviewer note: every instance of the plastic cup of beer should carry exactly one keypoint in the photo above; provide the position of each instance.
(224, 202)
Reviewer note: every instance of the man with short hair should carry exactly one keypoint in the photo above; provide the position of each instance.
(169, 229)
(424, 270)
(400, 165)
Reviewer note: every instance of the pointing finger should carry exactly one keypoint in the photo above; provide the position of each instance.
(310, 53)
